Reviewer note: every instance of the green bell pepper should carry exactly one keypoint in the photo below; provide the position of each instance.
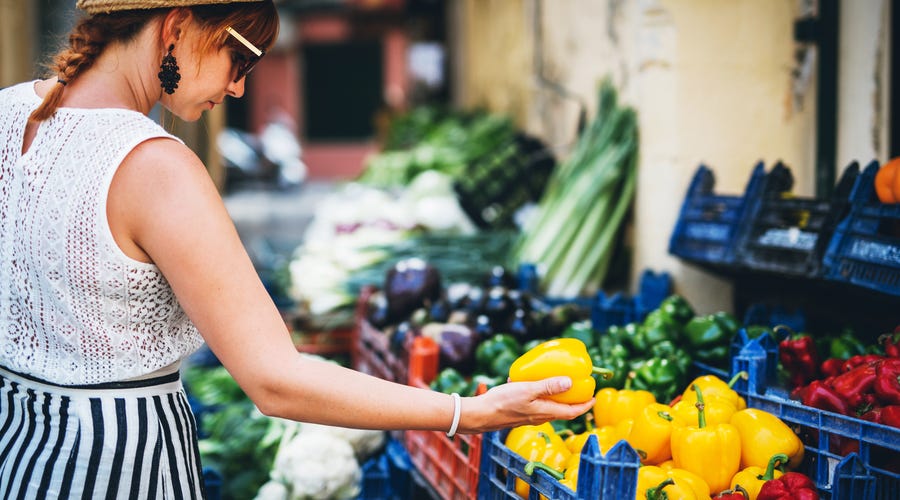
(450, 380)
(634, 337)
(581, 330)
(494, 355)
(845, 346)
(659, 326)
(677, 308)
(707, 335)
(661, 376)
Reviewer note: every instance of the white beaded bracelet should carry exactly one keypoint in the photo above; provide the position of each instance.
(456, 410)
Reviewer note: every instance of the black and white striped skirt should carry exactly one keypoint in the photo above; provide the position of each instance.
(119, 440)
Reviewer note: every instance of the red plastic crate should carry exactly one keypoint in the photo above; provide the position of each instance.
(371, 352)
(450, 465)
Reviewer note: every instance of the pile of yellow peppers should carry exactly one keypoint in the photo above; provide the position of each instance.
(707, 443)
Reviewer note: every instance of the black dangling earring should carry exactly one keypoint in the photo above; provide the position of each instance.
(168, 72)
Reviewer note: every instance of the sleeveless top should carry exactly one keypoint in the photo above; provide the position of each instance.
(74, 309)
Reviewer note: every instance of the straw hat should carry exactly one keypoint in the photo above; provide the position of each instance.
(107, 6)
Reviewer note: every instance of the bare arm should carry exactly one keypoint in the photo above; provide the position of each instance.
(164, 207)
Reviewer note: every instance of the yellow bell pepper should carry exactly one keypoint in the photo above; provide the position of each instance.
(668, 464)
(752, 478)
(562, 356)
(542, 447)
(713, 452)
(609, 435)
(569, 478)
(522, 434)
(718, 410)
(651, 434)
(614, 405)
(763, 435)
(656, 483)
(712, 385)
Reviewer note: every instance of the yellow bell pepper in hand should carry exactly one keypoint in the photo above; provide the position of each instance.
(651, 434)
(713, 452)
(563, 356)
(656, 483)
(752, 478)
(763, 435)
(614, 405)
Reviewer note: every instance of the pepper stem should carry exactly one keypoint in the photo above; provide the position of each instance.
(665, 415)
(605, 373)
(656, 493)
(530, 466)
(589, 421)
(779, 459)
(701, 407)
(739, 375)
(629, 378)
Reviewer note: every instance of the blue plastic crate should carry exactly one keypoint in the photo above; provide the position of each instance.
(708, 226)
(865, 247)
(212, 483)
(620, 309)
(840, 474)
(788, 234)
(613, 475)
(375, 483)
(761, 314)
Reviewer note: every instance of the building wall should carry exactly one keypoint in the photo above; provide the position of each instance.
(718, 83)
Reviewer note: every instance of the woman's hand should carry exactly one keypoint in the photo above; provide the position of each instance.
(518, 403)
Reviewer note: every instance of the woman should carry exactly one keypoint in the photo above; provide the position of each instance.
(118, 259)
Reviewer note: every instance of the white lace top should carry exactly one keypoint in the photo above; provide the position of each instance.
(74, 309)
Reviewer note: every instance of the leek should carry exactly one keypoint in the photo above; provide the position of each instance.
(580, 214)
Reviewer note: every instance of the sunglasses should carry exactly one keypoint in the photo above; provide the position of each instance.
(245, 64)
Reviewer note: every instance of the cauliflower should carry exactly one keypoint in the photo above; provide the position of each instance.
(364, 442)
(273, 490)
(315, 465)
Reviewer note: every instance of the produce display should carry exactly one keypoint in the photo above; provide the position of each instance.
(420, 250)
(692, 455)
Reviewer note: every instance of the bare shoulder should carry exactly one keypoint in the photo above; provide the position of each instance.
(159, 192)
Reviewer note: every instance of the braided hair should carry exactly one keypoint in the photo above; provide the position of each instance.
(86, 42)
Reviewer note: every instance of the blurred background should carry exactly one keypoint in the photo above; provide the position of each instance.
(728, 84)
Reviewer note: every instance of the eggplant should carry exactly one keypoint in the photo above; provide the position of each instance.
(499, 276)
(456, 345)
(409, 285)
(498, 306)
(522, 326)
(377, 309)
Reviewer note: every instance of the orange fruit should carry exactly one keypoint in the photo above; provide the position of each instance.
(887, 182)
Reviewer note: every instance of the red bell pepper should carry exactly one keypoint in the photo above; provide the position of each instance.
(798, 356)
(887, 381)
(855, 384)
(790, 486)
(831, 367)
(890, 342)
(861, 359)
(890, 415)
(818, 394)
